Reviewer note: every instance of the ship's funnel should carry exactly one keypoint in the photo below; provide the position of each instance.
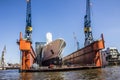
(48, 37)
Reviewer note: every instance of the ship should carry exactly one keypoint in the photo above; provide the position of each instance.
(90, 54)
(52, 52)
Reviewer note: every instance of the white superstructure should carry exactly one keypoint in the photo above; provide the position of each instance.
(48, 37)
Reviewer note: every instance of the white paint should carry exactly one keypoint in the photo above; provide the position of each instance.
(48, 37)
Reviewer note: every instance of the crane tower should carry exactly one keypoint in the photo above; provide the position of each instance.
(87, 25)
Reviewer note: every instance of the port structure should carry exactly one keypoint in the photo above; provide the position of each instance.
(90, 54)
(76, 41)
(2, 61)
(87, 56)
(87, 25)
(25, 44)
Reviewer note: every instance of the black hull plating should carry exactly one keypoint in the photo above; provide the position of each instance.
(54, 61)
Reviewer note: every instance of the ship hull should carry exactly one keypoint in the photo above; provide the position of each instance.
(89, 55)
(55, 61)
(52, 52)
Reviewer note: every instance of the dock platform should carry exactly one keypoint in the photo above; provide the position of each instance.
(60, 69)
(9, 68)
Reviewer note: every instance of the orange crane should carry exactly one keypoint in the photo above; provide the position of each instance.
(25, 44)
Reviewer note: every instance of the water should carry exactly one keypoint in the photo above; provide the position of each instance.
(108, 73)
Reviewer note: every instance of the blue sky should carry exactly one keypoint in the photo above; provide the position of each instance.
(61, 18)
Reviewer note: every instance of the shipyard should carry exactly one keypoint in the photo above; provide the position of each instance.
(60, 40)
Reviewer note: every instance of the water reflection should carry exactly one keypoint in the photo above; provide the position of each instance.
(41, 76)
(91, 74)
(26, 76)
(109, 73)
(71, 75)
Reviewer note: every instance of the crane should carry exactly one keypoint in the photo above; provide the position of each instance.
(28, 55)
(75, 38)
(87, 25)
(28, 30)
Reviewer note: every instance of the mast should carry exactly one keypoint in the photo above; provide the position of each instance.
(87, 25)
(28, 30)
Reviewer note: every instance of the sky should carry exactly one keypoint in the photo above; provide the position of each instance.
(61, 18)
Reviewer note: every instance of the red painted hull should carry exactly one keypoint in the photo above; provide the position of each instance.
(89, 55)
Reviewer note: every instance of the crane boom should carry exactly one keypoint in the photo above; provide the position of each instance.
(28, 30)
(87, 25)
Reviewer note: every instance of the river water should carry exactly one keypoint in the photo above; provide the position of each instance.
(107, 73)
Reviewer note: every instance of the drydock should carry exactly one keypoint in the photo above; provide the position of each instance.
(90, 54)
(85, 58)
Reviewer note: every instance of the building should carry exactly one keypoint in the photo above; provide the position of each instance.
(112, 55)
(39, 52)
